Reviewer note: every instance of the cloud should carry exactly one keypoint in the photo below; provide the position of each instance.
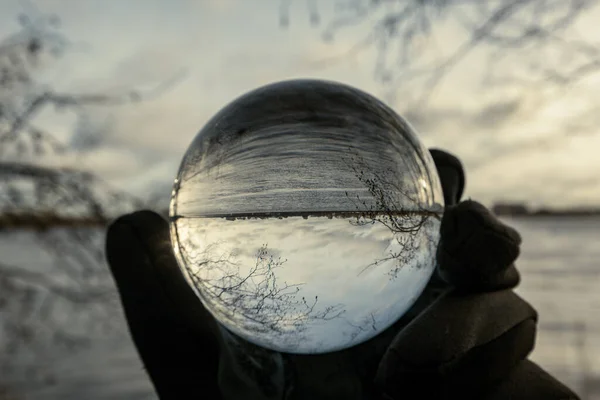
(473, 120)
(503, 154)
(497, 113)
(511, 143)
(90, 131)
(521, 148)
(163, 127)
(557, 175)
(221, 6)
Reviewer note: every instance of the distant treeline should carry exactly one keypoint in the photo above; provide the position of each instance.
(48, 220)
(520, 209)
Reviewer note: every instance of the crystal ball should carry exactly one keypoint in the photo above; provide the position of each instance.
(305, 215)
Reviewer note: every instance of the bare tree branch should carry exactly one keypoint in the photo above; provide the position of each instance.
(256, 299)
(60, 212)
(73, 294)
(392, 206)
(398, 29)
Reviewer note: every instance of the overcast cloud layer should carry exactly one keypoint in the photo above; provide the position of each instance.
(514, 147)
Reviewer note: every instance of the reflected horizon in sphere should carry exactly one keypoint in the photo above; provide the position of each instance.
(305, 216)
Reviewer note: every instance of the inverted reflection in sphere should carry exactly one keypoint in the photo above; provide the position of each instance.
(305, 215)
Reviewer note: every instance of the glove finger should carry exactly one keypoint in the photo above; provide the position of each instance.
(451, 173)
(476, 250)
(458, 347)
(170, 328)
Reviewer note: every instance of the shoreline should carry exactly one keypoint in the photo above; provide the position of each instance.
(566, 214)
(45, 221)
(305, 215)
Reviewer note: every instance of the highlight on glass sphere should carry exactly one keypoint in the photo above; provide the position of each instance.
(305, 215)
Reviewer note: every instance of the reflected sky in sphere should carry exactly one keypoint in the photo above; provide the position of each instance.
(306, 215)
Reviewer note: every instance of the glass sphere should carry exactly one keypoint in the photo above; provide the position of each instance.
(305, 215)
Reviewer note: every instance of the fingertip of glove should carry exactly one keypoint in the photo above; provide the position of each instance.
(452, 174)
(138, 225)
(143, 219)
(131, 237)
(443, 158)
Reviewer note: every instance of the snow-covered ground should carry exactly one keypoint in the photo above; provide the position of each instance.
(561, 278)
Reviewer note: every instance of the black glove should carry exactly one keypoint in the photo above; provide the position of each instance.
(472, 342)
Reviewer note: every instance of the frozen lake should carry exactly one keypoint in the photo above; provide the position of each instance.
(561, 278)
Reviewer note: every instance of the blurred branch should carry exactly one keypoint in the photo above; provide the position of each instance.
(34, 171)
(57, 214)
(62, 100)
(73, 294)
(22, 98)
(65, 192)
(400, 31)
(45, 221)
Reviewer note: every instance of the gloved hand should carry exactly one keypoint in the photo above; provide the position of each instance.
(470, 341)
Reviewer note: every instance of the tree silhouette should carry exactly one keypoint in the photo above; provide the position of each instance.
(392, 206)
(255, 297)
(519, 33)
(60, 212)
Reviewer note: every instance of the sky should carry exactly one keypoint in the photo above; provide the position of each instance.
(323, 259)
(537, 144)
